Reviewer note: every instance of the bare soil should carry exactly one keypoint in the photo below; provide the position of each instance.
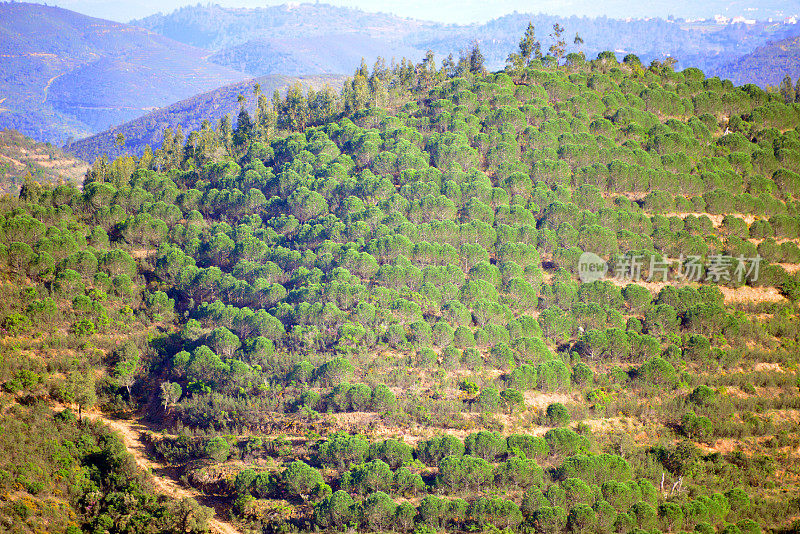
(132, 434)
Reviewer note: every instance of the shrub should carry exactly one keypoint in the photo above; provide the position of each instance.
(557, 415)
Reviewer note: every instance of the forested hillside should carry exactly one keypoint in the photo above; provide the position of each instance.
(187, 115)
(374, 310)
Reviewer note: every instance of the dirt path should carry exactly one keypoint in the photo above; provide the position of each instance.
(132, 432)
(49, 83)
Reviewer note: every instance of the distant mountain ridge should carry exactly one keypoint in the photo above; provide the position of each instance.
(68, 75)
(295, 39)
(238, 36)
(215, 27)
(336, 53)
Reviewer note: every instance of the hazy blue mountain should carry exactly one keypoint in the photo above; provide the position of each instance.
(216, 27)
(189, 114)
(767, 64)
(701, 44)
(750, 9)
(466, 11)
(303, 55)
(295, 39)
(309, 38)
(64, 75)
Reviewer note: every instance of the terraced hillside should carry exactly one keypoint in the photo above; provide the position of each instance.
(560, 297)
(21, 156)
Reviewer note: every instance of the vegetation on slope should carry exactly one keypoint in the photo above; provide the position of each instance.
(364, 310)
(22, 157)
(58, 474)
(188, 115)
(767, 64)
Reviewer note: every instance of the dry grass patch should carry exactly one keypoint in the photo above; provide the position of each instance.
(751, 294)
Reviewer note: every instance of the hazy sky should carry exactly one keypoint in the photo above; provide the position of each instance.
(465, 11)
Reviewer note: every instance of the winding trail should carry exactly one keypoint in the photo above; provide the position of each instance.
(132, 432)
(49, 82)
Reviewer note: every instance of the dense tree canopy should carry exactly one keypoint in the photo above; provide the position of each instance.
(407, 259)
